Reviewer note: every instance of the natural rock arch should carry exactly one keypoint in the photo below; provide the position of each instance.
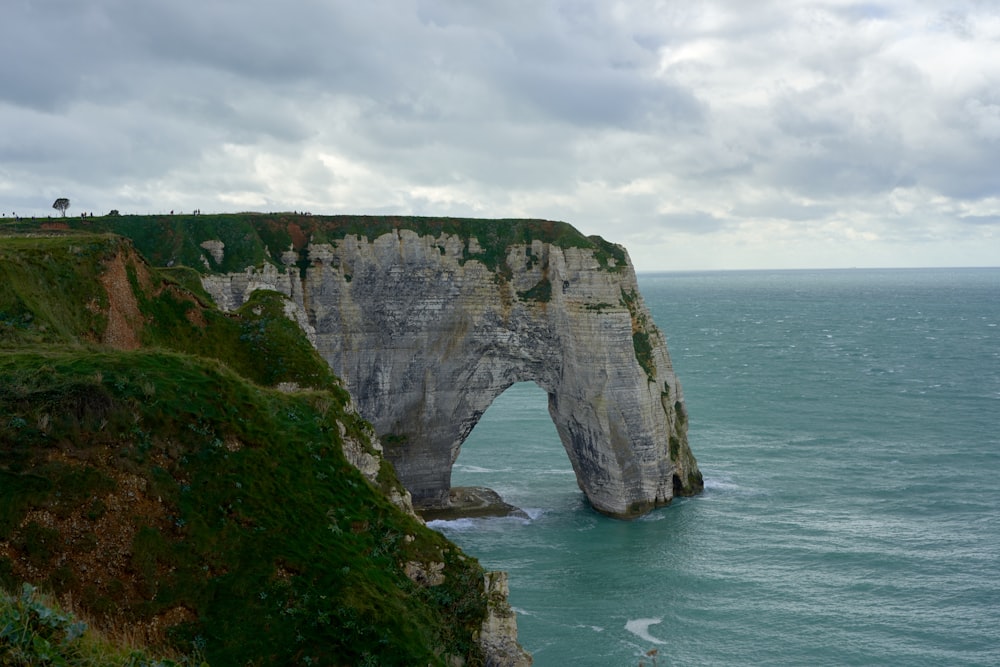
(507, 442)
(427, 330)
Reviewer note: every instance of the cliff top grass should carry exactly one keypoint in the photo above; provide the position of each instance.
(252, 238)
(151, 471)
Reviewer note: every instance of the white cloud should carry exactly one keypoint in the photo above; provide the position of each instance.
(713, 134)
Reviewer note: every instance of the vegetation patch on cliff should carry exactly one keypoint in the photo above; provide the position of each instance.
(641, 343)
(34, 270)
(541, 292)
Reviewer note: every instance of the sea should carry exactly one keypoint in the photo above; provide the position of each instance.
(847, 423)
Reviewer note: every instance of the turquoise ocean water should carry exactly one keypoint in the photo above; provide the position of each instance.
(848, 427)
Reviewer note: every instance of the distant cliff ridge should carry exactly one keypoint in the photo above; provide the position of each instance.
(427, 321)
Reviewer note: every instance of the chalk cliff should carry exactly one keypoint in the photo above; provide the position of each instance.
(428, 324)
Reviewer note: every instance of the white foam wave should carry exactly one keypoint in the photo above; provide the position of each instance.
(451, 524)
(533, 512)
(478, 523)
(595, 628)
(478, 469)
(640, 628)
(715, 484)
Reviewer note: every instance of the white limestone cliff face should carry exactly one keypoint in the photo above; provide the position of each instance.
(426, 336)
(498, 636)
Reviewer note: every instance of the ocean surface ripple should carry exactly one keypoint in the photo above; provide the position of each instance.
(847, 426)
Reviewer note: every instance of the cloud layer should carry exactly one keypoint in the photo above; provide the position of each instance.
(701, 135)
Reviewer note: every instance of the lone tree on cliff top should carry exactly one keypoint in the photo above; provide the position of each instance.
(61, 205)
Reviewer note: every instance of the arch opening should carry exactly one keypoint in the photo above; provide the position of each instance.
(515, 451)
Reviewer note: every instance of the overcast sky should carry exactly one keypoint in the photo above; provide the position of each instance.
(701, 135)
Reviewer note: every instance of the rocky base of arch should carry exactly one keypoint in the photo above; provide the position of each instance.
(472, 502)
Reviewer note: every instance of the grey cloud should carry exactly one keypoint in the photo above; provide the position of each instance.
(955, 21)
(695, 222)
(602, 97)
(569, 62)
(962, 174)
(986, 220)
(261, 42)
(70, 50)
(864, 11)
(838, 168)
(780, 207)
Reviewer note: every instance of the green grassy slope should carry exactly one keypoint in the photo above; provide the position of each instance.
(170, 487)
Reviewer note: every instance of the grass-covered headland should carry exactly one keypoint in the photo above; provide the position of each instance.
(252, 238)
(153, 475)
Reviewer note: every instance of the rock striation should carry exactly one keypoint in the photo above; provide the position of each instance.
(426, 329)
